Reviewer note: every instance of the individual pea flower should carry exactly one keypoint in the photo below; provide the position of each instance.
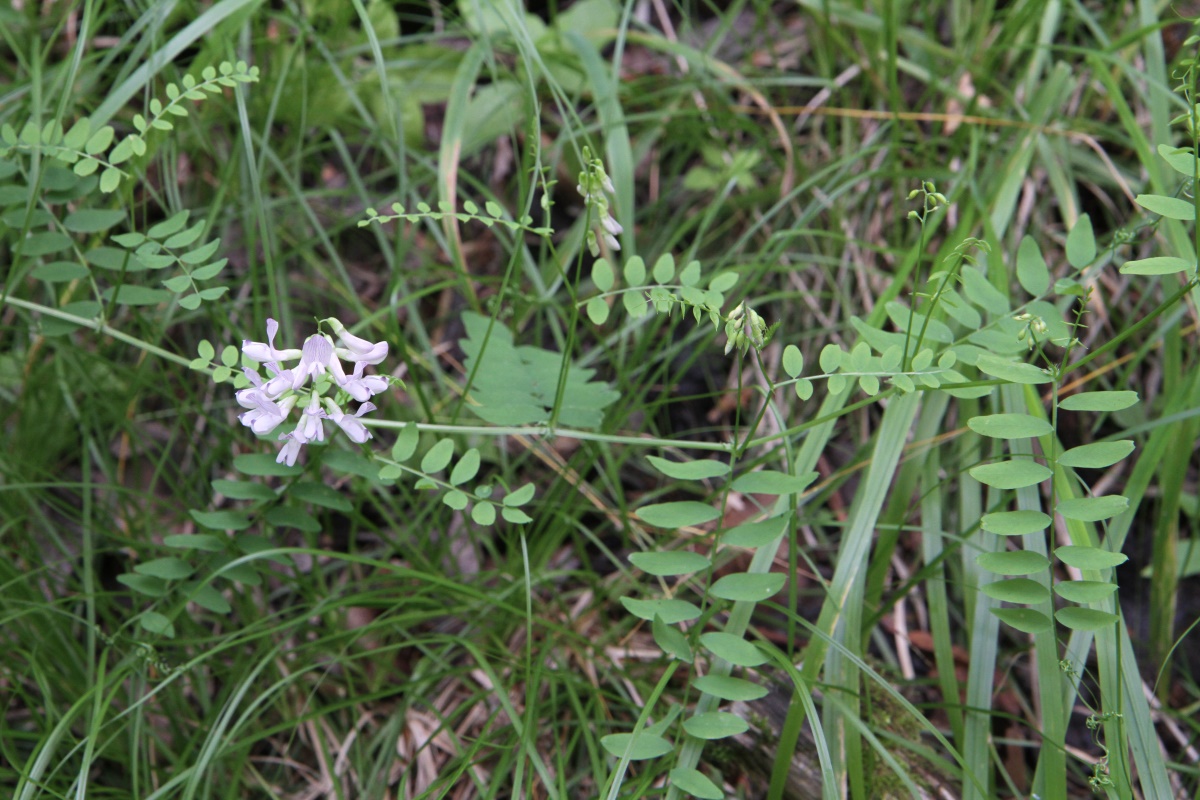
(270, 402)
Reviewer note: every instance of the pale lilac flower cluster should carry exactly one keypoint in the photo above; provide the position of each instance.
(593, 184)
(270, 402)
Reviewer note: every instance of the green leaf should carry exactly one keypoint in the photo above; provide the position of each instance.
(635, 271)
(664, 268)
(804, 387)
(59, 271)
(678, 514)
(689, 470)
(673, 562)
(1092, 509)
(438, 456)
(1084, 619)
(180, 283)
(44, 243)
(319, 494)
(597, 310)
(1017, 590)
(723, 282)
(167, 569)
(169, 226)
(484, 513)
(209, 598)
(671, 640)
(1097, 455)
(155, 623)
(1170, 207)
(1031, 268)
(131, 295)
(755, 534)
(1089, 558)
(1012, 474)
(350, 463)
(1084, 591)
(733, 649)
(110, 179)
(263, 465)
(602, 275)
(635, 304)
(729, 688)
(694, 782)
(1015, 523)
(1099, 401)
(715, 725)
(1009, 426)
(456, 500)
(869, 384)
(671, 610)
(831, 358)
(642, 747)
(1180, 159)
(292, 517)
(754, 587)
(144, 584)
(519, 497)
(201, 254)
(195, 541)
(1156, 265)
(185, 238)
(1081, 243)
(225, 520)
(1013, 562)
(191, 302)
(406, 443)
(1014, 372)
(466, 468)
(772, 482)
(515, 515)
(1025, 620)
(91, 220)
(793, 361)
(690, 276)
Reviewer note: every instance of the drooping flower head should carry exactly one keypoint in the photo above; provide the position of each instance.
(269, 402)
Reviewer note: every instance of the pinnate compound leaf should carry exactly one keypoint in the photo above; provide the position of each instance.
(1084, 591)
(715, 725)
(1031, 268)
(678, 514)
(1013, 474)
(734, 649)
(641, 747)
(727, 687)
(1099, 401)
(1009, 426)
(1017, 590)
(695, 783)
(1096, 455)
(1170, 207)
(1084, 619)
(1091, 558)
(754, 587)
(671, 640)
(1025, 620)
(1092, 509)
(1155, 265)
(773, 482)
(689, 470)
(1015, 523)
(670, 609)
(675, 562)
(1013, 562)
